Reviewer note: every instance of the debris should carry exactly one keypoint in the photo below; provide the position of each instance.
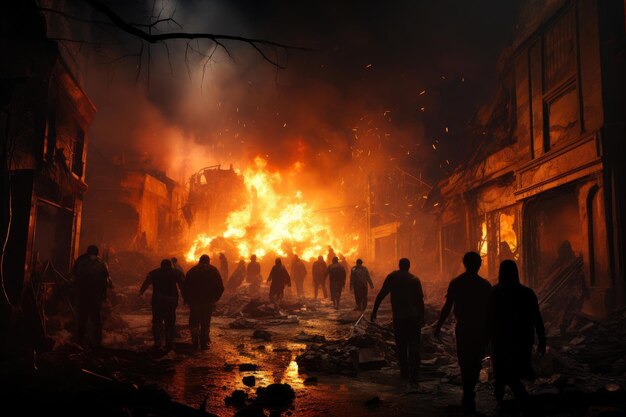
(243, 323)
(249, 381)
(247, 367)
(275, 395)
(310, 338)
(237, 398)
(262, 334)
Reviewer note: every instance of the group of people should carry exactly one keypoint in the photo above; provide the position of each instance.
(506, 316)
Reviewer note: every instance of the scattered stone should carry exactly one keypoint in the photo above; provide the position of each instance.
(249, 381)
(262, 334)
(275, 395)
(260, 347)
(310, 338)
(247, 367)
(243, 323)
(237, 398)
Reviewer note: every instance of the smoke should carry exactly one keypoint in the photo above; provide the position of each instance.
(384, 86)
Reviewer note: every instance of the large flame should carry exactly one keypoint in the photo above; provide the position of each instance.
(275, 220)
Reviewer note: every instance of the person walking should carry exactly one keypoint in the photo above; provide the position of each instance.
(359, 281)
(320, 271)
(468, 294)
(298, 273)
(279, 278)
(203, 288)
(336, 280)
(407, 305)
(166, 281)
(513, 318)
(92, 279)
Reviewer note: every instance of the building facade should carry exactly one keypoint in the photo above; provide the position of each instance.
(547, 183)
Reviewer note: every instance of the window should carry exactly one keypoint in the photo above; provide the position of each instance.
(77, 157)
(559, 51)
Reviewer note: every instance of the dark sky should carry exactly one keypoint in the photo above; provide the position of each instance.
(355, 96)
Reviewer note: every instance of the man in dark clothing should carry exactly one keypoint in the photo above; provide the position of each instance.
(359, 280)
(223, 266)
(320, 271)
(253, 275)
(468, 294)
(92, 280)
(203, 287)
(407, 304)
(513, 318)
(164, 281)
(279, 278)
(336, 280)
(298, 272)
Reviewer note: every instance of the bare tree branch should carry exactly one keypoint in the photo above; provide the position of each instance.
(134, 30)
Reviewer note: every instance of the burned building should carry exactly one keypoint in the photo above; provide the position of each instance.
(213, 194)
(545, 184)
(43, 129)
(145, 203)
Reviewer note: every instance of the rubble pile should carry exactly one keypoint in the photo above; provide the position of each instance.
(369, 346)
(600, 346)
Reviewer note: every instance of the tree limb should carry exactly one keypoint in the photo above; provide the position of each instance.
(134, 30)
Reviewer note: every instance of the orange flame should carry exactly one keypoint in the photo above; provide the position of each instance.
(275, 221)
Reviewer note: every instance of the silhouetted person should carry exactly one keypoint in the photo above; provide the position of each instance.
(177, 266)
(320, 271)
(468, 294)
(223, 266)
(203, 287)
(330, 255)
(407, 304)
(344, 263)
(336, 281)
(513, 319)
(238, 276)
(359, 280)
(92, 280)
(279, 278)
(298, 273)
(164, 281)
(253, 275)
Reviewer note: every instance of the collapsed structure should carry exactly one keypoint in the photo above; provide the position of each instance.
(545, 184)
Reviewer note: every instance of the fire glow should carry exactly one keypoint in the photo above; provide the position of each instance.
(276, 220)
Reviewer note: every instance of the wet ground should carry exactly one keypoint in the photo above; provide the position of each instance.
(198, 377)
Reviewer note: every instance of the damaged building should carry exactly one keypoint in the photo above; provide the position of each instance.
(545, 183)
(146, 204)
(43, 129)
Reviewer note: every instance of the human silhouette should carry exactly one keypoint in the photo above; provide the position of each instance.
(223, 266)
(177, 266)
(336, 281)
(237, 277)
(298, 273)
(407, 305)
(91, 277)
(253, 274)
(513, 318)
(279, 278)
(164, 281)
(203, 287)
(330, 255)
(359, 280)
(320, 271)
(468, 294)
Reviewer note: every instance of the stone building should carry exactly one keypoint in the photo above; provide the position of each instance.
(546, 182)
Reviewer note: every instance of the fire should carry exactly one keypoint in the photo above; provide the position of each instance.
(275, 220)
